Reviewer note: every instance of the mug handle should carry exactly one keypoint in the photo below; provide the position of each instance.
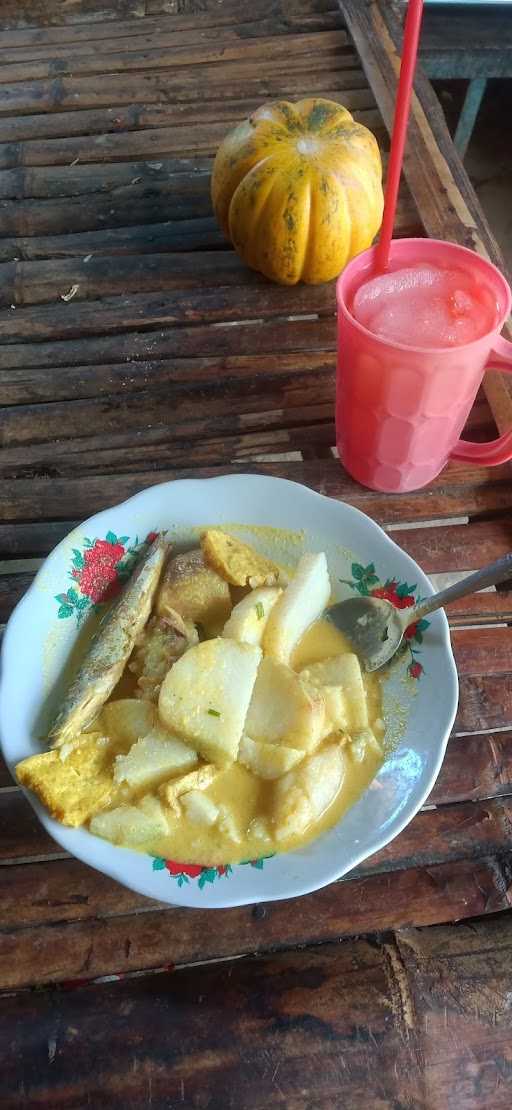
(497, 450)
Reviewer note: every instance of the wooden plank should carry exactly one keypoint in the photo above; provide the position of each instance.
(215, 50)
(438, 182)
(173, 235)
(12, 588)
(42, 282)
(458, 490)
(232, 79)
(128, 942)
(132, 450)
(262, 301)
(48, 183)
(458, 981)
(432, 1002)
(349, 87)
(26, 13)
(33, 539)
(139, 203)
(485, 702)
(53, 383)
(165, 36)
(154, 143)
(74, 127)
(458, 547)
(285, 14)
(289, 1030)
(118, 93)
(474, 767)
(29, 539)
(185, 342)
(483, 651)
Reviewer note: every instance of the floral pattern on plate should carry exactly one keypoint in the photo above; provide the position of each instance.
(366, 582)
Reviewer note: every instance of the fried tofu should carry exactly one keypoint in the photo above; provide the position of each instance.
(75, 788)
(236, 562)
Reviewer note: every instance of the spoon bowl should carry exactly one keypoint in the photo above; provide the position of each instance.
(375, 628)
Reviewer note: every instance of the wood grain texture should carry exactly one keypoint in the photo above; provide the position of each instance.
(415, 1019)
(109, 129)
(289, 1030)
(47, 953)
(458, 490)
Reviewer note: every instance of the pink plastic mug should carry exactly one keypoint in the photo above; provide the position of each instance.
(400, 410)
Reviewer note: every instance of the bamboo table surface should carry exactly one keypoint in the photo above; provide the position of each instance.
(136, 348)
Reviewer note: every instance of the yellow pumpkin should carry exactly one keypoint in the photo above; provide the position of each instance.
(297, 189)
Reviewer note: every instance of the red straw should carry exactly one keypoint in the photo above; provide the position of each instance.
(403, 100)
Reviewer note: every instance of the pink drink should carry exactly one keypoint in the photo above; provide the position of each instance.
(424, 305)
(413, 345)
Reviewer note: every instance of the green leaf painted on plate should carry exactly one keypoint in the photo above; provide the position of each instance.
(64, 611)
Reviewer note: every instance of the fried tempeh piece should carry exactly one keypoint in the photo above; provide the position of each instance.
(236, 562)
(75, 788)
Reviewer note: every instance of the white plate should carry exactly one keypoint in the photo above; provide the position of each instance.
(44, 628)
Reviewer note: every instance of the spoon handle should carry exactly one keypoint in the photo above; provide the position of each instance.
(489, 576)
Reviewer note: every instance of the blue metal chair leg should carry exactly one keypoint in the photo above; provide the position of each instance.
(472, 102)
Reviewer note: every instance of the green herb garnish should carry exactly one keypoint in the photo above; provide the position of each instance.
(213, 713)
(260, 612)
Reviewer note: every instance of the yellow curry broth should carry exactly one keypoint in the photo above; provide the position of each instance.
(248, 797)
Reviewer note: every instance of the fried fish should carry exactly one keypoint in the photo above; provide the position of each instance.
(111, 648)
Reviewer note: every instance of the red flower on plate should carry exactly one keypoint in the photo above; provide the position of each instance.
(410, 632)
(104, 552)
(190, 869)
(415, 669)
(98, 578)
(151, 537)
(389, 593)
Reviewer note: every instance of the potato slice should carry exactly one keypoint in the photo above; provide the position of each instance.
(227, 824)
(206, 695)
(132, 825)
(128, 719)
(303, 795)
(198, 808)
(236, 561)
(344, 672)
(75, 787)
(303, 601)
(283, 711)
(249, 618)
(199, 779)
(152, 758)
(363, 742)
(195, 591)
(268, 761)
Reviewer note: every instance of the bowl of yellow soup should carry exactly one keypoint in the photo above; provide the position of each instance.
(183, 718)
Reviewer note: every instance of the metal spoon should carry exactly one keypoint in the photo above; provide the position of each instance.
(375, 628)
